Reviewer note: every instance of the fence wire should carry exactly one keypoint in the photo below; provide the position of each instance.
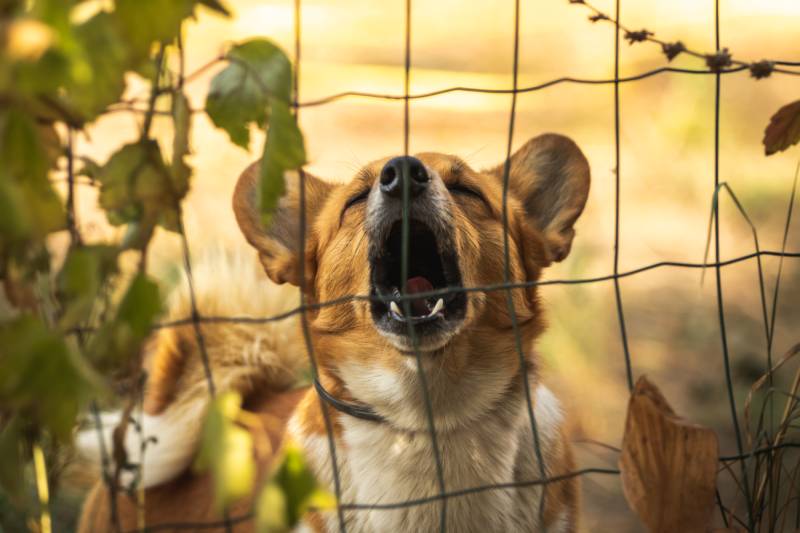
(197, 318)
(337, 482)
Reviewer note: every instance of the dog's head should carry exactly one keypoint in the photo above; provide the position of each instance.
(455, 235)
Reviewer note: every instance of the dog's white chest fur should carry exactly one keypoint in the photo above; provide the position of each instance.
(379, 465)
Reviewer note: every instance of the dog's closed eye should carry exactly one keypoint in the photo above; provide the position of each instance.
(355, 199)
(358, 198)
(462, 190)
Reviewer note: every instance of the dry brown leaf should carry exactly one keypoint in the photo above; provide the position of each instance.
(668, 466)
(783, 130)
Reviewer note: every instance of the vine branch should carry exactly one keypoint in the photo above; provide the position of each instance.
(715, 61)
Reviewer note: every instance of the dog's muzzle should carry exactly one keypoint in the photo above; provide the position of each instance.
(423, 296)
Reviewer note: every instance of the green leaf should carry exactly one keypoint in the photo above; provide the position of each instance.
(11, 450)
(783, 130)
(26, 148)
(321, 500)
(182, 119)
(144, 22)
(15, 222)
(227, 451)
(297, 481)
(283, 151)
(268, 63)
(79, 73)
(99, 65)
(132, 177)
(299, 487)
(54, 12)
(81, 279)
(271, 510)
(40, 77)
(137, 186)
(121, 339)
(29, 206)
(216, 5)
(140, 306)
(41, 377)
(240, 93)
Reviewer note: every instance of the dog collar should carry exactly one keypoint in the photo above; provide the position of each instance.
(356, 410)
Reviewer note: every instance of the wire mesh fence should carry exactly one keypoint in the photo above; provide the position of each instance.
(719, 63)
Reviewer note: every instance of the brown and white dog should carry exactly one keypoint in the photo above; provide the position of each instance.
(465, 340)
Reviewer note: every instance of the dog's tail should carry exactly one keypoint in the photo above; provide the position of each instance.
(163, 439)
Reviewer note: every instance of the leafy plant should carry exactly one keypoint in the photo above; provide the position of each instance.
(63, 65)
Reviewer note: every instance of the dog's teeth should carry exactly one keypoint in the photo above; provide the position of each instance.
(395, 308)
(438, 307)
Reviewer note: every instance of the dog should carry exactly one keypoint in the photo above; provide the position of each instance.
(388, 366)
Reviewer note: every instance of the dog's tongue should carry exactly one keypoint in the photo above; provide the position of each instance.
(414, 285)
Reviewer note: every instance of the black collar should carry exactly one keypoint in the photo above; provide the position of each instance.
(363, 412)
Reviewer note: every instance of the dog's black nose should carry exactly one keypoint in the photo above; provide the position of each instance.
(393, 172)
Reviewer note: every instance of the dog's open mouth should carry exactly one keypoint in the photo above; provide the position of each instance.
(432, 267)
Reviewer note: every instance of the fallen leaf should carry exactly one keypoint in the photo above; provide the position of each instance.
(668, 466)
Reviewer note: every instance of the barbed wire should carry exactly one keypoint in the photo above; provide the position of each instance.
(716, 61)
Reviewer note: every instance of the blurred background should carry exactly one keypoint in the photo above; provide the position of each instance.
(666, 177)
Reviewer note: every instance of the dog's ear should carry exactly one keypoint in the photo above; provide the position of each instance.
(278, 244)
(550, 176)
